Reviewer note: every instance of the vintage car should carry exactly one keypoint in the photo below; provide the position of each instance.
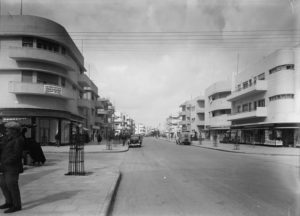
(184, 138)
(135, 140)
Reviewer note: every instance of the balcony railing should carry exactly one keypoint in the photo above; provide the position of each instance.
(35, 54)
(40, 89)
(259, 112)
(219, 121)
(260, 86)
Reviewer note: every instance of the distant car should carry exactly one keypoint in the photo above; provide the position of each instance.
(135, 140)
(184, 138)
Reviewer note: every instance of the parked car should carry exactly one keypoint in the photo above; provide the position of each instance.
(135, 140)
(184, 138)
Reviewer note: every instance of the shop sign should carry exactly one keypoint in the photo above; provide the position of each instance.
(50, 89)
(14, 119)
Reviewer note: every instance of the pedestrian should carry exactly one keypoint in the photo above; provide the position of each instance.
(57, 139)
(99, 138)
(11, 165)
(124, 138)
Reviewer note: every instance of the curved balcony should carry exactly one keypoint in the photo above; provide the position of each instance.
(219, 104)
(260, 86)
(200, 110)
(22, 88)
(259, 112)
(41, 55)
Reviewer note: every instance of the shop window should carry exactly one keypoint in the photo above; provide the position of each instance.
(46, 78)
(27, 76)
(27, 41)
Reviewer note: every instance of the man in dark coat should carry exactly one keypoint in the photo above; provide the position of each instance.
(11, 163)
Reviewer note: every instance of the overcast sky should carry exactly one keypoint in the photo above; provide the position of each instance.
(149, 56)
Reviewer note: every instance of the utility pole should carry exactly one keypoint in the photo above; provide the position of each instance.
(21, 10)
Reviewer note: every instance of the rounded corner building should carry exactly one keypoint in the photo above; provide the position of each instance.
(41, 77)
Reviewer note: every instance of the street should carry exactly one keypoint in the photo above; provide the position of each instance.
(162, 178)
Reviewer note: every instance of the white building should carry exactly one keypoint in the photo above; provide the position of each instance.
(42, 80)
(265, 100)
(218, 109)
(140, 129)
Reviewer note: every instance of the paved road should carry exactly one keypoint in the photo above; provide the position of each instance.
(162, 178)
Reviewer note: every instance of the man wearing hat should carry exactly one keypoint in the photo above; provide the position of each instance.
(11, 163)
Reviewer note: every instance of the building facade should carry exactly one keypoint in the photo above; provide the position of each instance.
(173, 126)
(217, 110)
(41, 77)
(104, 116)
(264, 101)
(193, 116)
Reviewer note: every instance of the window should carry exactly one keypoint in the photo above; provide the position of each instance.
(239, 87)
(282, 96)
(282, 67)
(255, 105)
(63, 50)
(47, 45)
(245, 107)
(261, 103)
(238, 109)
(250, 106)
(261, 76)
(63, 82)
(250, 82)
(27, 76)
(27, 42)
(47, 78)
(245, 85)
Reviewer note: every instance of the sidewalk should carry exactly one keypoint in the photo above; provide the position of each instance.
(91, 147)
(248, 149)
(46, 190)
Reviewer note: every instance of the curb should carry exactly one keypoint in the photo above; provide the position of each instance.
(224, 150)
(110, 198)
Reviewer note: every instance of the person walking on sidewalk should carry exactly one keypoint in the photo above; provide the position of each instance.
(11, 164)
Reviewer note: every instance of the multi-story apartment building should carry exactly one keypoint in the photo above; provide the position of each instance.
(42, 77)
(140, 129)
(123, 123)
(105, 111)
(217, 109)
(193, 116)
(265, 105)
(173, 126)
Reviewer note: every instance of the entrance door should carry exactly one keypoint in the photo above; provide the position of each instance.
(288, 137)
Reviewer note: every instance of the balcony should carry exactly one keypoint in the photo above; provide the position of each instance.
(99, 120)
(84, 80)
(200, 109)
(22, 88)
(102, 112)
(259, 112)
(260, 86)
(41, 55)
(219, 104)
(219, 121)
(85, 103)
